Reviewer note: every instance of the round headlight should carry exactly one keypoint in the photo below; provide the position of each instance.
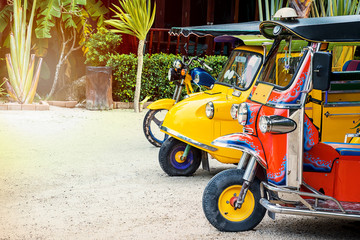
(234, 110)
(277, 30)
(173, 75)
(209, 110)
(264, 124)
(242, 114)
(177, 64)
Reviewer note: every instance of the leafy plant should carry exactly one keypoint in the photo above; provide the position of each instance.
(134, 18)
(23, 76)
(322, 8)
(100, 46)
(83, 15)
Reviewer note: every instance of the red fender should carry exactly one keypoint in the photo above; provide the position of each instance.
(245, 143)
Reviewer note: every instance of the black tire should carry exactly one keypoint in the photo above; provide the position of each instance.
(220, 192)
(151, 126)
(169, 160)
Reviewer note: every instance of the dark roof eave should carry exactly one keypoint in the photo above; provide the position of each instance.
(247, 28)
(324, 29)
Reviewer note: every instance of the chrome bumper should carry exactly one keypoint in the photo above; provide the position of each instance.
(307, 209)
(193, 142)
(295, 211)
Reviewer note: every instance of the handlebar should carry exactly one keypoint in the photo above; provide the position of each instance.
(205, 65)
(196, 58)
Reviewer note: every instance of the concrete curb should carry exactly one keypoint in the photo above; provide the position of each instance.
(43, 106)
(128, 105)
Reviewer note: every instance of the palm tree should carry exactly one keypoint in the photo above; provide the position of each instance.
(134, 18)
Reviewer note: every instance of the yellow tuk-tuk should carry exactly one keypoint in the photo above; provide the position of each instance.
(195, 122)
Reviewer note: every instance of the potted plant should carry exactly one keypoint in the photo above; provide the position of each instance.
(98, 48)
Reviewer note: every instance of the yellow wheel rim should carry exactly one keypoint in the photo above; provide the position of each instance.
(178, 157)
(228, 211)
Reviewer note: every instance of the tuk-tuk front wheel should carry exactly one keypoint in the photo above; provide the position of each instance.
(171, 158)
(220, 196)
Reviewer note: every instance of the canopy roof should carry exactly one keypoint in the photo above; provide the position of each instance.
(324, 29)
(246, 28)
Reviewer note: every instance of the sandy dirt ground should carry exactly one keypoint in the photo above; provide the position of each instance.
(78, 174)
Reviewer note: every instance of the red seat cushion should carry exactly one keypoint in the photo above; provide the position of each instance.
(351, 65)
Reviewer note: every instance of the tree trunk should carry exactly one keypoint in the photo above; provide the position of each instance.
(302, 8)
(56, 76)
(63, 58)
(99, 88)
(138, 75)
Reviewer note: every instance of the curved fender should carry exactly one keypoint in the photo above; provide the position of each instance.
(165, 103)
(245, 143)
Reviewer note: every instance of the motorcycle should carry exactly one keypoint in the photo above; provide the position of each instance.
(181, 75)
(285, 167)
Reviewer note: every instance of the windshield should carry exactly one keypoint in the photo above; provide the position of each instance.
(240, 69)
(281, 64)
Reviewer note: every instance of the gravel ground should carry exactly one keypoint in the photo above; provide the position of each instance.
(78, 174)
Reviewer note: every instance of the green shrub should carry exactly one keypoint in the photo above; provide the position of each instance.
(124, 76)
(154, 81)
(100, 46)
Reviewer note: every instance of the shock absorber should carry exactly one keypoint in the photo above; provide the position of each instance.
(248, 177)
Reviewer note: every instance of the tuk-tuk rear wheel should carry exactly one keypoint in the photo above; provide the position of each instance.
(219, 197)
(171, 162)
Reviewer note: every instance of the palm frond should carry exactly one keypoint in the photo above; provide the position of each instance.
(49, 10)
(133, 17)
(336, 7)
(5, 17)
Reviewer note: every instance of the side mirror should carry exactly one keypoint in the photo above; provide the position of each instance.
(321, 70)
(186, 49)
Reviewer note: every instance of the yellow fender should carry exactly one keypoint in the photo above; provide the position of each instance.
(355, 140)
(165, 103)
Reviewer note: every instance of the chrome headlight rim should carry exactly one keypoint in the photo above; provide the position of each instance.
(264, 124)
(242, 114)
(234, 111)
(209, 110)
